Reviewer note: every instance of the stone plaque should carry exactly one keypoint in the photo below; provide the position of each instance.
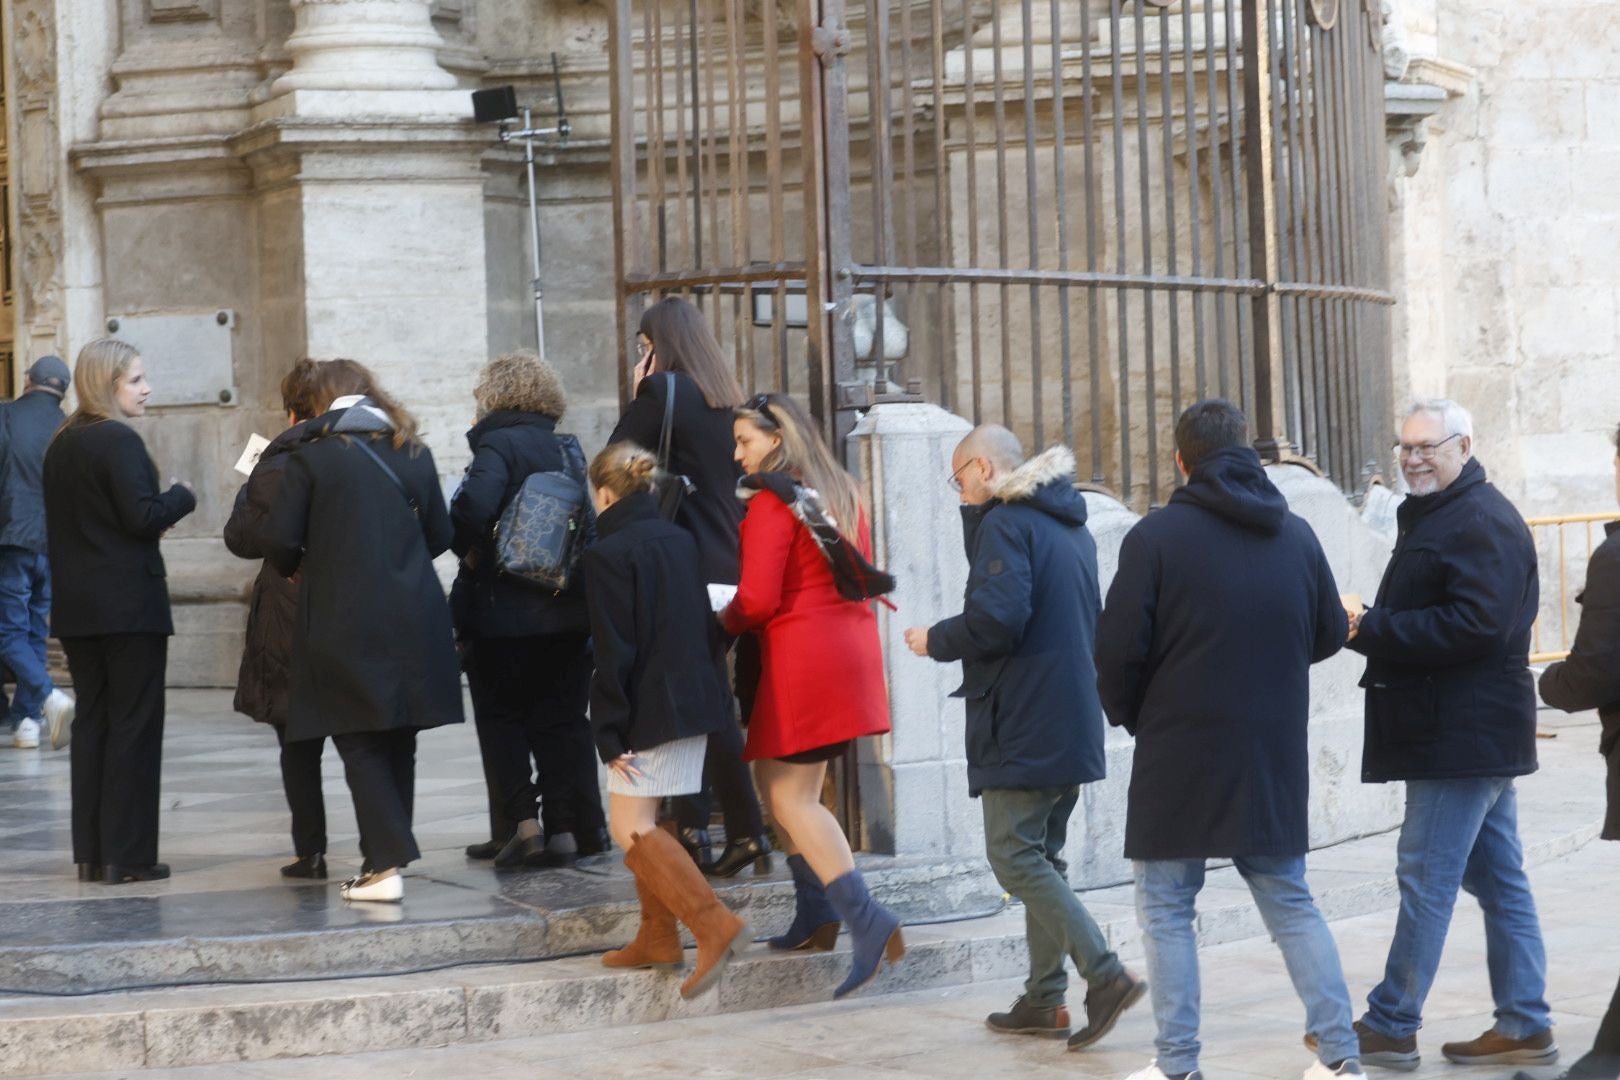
(188, 355)
(183, 10)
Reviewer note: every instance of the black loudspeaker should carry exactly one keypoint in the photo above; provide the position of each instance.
(499, 103)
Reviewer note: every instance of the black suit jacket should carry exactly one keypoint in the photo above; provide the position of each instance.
(104, 514)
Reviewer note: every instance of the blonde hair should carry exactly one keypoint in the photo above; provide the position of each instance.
(522, 382)
(624, 469)
(804, 455)
(96, 373)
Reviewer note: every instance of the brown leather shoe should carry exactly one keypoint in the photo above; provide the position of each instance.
(1378, 1049)
(1105, 1005)
(1494, 1048)
(658, 859)
(657, 942)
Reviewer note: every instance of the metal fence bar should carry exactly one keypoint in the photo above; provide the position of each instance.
(970, 111)
(1088, 130)
(1060, 192)
(1144, 175)
(1123, 391)
(1032, 206)
(1189, 72)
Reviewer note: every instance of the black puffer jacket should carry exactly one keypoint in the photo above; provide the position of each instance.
(261, 681)
(508, 446)
(1026, 633)
(1590, 678)
(1449, 692)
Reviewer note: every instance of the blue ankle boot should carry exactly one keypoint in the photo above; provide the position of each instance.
(815, 923)
(874, 930)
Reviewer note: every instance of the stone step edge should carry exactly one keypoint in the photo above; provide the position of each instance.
(215, 1025)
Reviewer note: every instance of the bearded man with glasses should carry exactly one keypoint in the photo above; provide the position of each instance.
(1451, 710)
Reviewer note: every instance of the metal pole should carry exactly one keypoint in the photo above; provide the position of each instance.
(534, 233)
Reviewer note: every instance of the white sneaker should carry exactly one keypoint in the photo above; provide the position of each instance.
(59, 710)
(1319, 1071)
(1153, 1072)
(26, 737)
(374, 888)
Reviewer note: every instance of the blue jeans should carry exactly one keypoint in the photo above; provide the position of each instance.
(25, 610)
(1024, 834)
(1165, 892)
(1463, 834)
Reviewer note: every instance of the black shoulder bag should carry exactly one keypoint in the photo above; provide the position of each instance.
(673, 488)
(410, 500)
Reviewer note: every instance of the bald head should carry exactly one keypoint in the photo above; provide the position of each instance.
(988, 452)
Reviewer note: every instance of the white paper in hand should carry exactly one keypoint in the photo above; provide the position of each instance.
(720, 596)
(250, 456)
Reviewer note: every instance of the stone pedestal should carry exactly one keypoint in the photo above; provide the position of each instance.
(364, 45)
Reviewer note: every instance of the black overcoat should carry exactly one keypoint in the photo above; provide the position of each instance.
(702, 448)
(507, 446)
(1222, 602)
(1590, 677)
(25, 433)
(374, 650)
(1027, 632)
(660, 657)
(104, 516)
(261, 680)
(1447, 641)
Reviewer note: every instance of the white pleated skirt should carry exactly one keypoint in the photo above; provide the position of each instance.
(675, 768)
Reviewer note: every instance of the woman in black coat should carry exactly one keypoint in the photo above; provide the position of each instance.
(104, 516)
(261, 682)
(657, 696)
(1590, 679)
(680, 356)
(359, 520)
(526, 649)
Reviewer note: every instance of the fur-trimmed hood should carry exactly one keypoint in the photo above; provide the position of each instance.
(1045, 482)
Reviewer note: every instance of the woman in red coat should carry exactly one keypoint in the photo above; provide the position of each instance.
(821, 679)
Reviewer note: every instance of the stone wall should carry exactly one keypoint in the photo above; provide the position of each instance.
(914, 782)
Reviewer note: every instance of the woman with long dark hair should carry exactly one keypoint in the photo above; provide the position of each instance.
(821, 674)
(261, 683)
(679, 356)
(104, 515)
(526, 649)
(359, 520)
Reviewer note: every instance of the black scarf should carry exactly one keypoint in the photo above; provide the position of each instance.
(853, 576)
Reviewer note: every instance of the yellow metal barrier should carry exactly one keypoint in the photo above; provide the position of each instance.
(1544, 529)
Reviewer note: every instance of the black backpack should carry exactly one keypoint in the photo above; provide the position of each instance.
(546, 526)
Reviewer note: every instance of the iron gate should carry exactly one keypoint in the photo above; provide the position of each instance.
(1071, 216)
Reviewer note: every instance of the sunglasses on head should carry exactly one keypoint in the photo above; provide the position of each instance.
(761, 403)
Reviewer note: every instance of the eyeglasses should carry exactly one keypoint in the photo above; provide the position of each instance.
(956, 477)
(761, 403)
(1425, 451)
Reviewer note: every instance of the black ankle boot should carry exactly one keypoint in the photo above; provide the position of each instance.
(308, 866)
(696, 842)
(738, 854)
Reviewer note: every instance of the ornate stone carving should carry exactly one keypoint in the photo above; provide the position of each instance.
(364, 45)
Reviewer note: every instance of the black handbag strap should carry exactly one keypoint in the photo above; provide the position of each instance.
(363, 443)
(667, 434)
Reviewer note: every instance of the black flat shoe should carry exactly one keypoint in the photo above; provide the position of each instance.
(89, 871)
(559, 852)
(310, 866)
(487, 850)
(696, 842)
(123, 875)
(738, 854)
(520, 851)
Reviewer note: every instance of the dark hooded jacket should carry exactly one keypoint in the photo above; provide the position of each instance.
(261, 682)
(26, 428)
(1026, 633)
(1590, 677)
(1447, 641)
(374, 649)
(508, 446)
(1222, 602)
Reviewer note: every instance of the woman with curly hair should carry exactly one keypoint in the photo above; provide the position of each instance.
(525, 648)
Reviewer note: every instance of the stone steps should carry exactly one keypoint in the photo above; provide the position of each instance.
(212, 1024)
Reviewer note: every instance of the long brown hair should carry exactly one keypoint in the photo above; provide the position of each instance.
(101, 364)
(804, 455)
(682, 341)
(340, 378)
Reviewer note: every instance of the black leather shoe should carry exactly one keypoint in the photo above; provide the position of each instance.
(599, 844)
(696, 843)
(487, 850)
(89, 871)
(520, 851)
(560, 851)
(738, 854)
(310, 866)
(123, 875)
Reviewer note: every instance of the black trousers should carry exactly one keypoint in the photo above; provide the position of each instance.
(381, 769)
(529, 698)
(725, 777)
(117, 747)
(1604, 1059)
(301, 780)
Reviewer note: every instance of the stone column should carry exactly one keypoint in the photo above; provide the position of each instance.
(364, 45)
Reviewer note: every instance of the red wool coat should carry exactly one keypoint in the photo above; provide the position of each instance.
(821, 678)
